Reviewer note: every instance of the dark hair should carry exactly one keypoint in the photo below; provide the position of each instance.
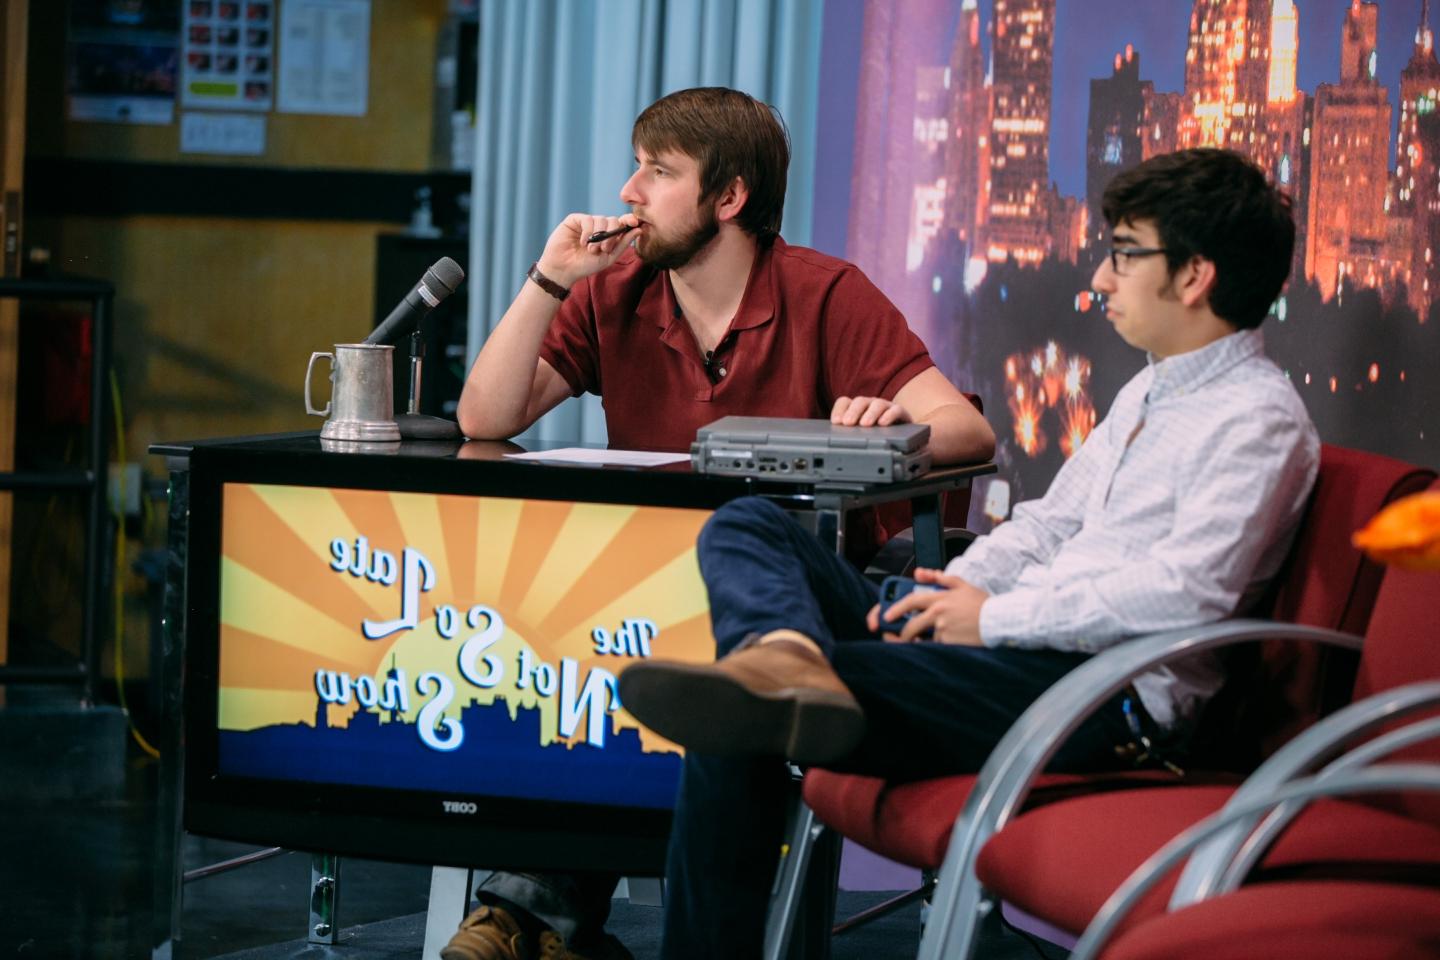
(730, 134)
(1218, 205)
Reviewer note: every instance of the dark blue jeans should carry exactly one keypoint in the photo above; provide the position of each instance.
(930, 710)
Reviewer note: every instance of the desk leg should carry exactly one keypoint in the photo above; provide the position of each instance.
(449, 902)
(829, 525)
(324, 898)
(928, 528)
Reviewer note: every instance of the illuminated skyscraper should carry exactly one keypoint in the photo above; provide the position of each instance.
(1282, 152)
(1162, 123)
(965, 173)
(1284, 50)
(1116, 130)
(901, 63)
(1067, 224)
(1017, 219)
(1227, 75)
(1358, 41)
(897, 185)
(928, 182)
(1348, 236)
(1414, 196)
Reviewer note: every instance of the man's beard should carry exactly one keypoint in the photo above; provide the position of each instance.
(676, 253)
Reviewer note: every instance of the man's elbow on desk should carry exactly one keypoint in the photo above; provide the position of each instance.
(959, 434)
(477, 423)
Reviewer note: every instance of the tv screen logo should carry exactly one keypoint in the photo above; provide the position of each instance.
(459, 806)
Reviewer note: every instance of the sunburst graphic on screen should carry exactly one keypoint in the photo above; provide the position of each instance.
(558, 574)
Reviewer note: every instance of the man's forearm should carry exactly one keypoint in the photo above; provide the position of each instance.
(496, 400)
(959, 434)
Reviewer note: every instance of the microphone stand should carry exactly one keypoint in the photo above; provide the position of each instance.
(413, 424)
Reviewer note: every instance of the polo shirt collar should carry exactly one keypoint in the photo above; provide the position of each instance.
(757, 305)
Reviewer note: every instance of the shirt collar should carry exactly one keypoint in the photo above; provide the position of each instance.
(757, 304)
(1186, 372)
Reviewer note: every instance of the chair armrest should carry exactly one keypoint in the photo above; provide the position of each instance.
(1021, 755)
(1382, 777)
(1221, 864)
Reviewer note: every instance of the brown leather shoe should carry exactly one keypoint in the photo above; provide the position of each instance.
(489, 933)
(773, 697)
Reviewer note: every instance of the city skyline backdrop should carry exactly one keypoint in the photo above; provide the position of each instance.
(1158, 32)
(969, 142)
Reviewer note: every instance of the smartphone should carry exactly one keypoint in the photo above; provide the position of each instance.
(892, 588)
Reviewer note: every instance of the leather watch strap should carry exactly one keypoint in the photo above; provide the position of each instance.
(545, 283)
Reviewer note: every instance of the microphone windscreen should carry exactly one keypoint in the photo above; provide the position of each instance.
(447, 273)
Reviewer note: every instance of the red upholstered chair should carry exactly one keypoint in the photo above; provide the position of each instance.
(942, 823)
(1296, 921)
(1378, 913)
(1375, 917)
(1061, 862)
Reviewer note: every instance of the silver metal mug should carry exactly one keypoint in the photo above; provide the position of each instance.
(362, 399)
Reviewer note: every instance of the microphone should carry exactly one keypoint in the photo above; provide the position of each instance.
(438, 283)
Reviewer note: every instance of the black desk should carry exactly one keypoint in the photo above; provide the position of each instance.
(331, 818)
(479, 465)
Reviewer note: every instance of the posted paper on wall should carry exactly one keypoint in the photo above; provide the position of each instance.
(228, 53)
(226, 134)
(121, 61)
(324, 57)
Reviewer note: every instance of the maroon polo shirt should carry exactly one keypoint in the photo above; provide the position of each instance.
(810, 328)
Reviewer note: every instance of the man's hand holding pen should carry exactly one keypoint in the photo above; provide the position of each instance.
(583, 245)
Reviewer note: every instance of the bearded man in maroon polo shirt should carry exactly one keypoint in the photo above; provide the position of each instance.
(697, 311)
(700, 310)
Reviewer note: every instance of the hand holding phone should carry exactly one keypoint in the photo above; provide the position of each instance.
(892, 589)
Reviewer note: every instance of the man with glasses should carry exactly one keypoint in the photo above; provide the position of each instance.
(1175, 512)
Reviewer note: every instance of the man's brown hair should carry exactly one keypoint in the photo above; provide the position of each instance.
(729, 134)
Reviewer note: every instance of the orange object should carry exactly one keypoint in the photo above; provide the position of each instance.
(1405, 534)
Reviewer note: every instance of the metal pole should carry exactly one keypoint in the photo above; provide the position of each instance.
(96, 542)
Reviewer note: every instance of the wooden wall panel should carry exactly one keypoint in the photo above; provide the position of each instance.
(13, 23)
(395, 133)
(216, 319)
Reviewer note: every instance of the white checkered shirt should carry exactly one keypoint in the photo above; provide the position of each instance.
(1182, 526)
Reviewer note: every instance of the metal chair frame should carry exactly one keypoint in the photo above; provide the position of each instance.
(1380, 777)
(1020, 757)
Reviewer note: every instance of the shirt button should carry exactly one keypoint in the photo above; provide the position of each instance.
(721, 371)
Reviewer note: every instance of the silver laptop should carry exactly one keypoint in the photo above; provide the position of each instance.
(807, 451)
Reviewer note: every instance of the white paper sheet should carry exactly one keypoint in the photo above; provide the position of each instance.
(627, 458)
(324, 57)
(233, 134)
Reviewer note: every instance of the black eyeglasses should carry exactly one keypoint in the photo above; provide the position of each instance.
(1119, 255)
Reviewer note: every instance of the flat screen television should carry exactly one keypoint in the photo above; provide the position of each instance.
(412, 660)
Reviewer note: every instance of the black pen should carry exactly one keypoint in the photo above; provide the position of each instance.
(607, 234)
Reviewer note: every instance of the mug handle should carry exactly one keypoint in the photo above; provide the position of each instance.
(310, 407)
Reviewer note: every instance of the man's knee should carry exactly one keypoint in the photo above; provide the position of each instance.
(742, 518)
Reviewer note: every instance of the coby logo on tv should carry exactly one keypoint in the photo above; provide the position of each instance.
(459, 806)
